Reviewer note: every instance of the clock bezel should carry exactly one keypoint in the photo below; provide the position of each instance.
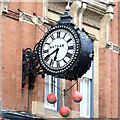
(48, 69)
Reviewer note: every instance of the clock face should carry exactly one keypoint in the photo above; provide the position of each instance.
(58, 50)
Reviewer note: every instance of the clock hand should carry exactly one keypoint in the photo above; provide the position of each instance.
(51, 54)
(56, 55)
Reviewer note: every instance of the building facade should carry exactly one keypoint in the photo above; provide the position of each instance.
(99, 86)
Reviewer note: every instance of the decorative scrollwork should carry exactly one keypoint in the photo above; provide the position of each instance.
(31, 66)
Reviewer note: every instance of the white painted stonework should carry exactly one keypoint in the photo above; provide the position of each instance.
(3, 6)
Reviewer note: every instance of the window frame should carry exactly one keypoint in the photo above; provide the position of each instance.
(48, 105)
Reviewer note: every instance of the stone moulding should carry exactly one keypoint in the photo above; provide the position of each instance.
(57, 7)
(100, 4)
(115, 48)
(4, 6)
(93, 17)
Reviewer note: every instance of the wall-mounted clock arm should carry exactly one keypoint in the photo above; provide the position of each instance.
(30, 20)
(31, 67)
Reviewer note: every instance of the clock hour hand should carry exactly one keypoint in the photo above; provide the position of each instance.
(51, 54)
(56, 55)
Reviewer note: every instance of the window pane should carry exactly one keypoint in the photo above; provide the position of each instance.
(85, 103)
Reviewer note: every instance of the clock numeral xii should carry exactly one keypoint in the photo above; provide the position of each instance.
(58, 34)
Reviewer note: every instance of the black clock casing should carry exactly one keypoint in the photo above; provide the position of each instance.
(59, 49)
(64, 51)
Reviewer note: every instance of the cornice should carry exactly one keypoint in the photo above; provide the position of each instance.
(92, 17)
(56, 7)
(100, 4)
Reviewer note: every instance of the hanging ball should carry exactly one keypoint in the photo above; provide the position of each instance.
(77, 97)
(51, 98)
(64, 111)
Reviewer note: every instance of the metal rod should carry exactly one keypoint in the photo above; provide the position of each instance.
(64, 97)
(28, 93)
(57, 87)
(30, 20)
(37, 17)
(71, 87)
(45, 24)
(77, 82)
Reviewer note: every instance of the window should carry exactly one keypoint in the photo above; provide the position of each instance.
(85, 103)
(86, 91)
(51, 84)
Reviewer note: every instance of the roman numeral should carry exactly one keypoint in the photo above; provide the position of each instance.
(58, 64)
(47, 58)
(64, 61)
(69, 40)
(70, 47)
(64, 35)
(51, 62)
(52, 37)
(69, 55)
(47, 43)
(46, 51)
(58, 34)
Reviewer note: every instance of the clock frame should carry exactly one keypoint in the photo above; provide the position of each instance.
(73, 36)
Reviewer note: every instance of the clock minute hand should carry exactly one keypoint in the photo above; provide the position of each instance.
(51, 54)
(56, 54)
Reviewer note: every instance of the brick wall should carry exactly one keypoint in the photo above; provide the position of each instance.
(108, 75)
(17, 35)
(108, 84)
(70, 103)
(119, 59)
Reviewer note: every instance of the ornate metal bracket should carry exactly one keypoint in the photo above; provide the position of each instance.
(30, 66)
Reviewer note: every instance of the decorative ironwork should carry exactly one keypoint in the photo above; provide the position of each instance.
(11, 14)
(31, 67)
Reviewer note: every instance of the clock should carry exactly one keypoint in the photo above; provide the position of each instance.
(59, 49)
(65, 51)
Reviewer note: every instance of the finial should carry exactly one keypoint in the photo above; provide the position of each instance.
(67, 8)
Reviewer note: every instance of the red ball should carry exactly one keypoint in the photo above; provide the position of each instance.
(64, 111)
(77, 97)
(51, 98)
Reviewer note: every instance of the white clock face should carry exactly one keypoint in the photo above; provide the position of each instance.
(58, 49)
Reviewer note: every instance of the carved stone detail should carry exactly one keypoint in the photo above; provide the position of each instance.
(92, 17)
(57, 7)
(99, 4)
(116, 48)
